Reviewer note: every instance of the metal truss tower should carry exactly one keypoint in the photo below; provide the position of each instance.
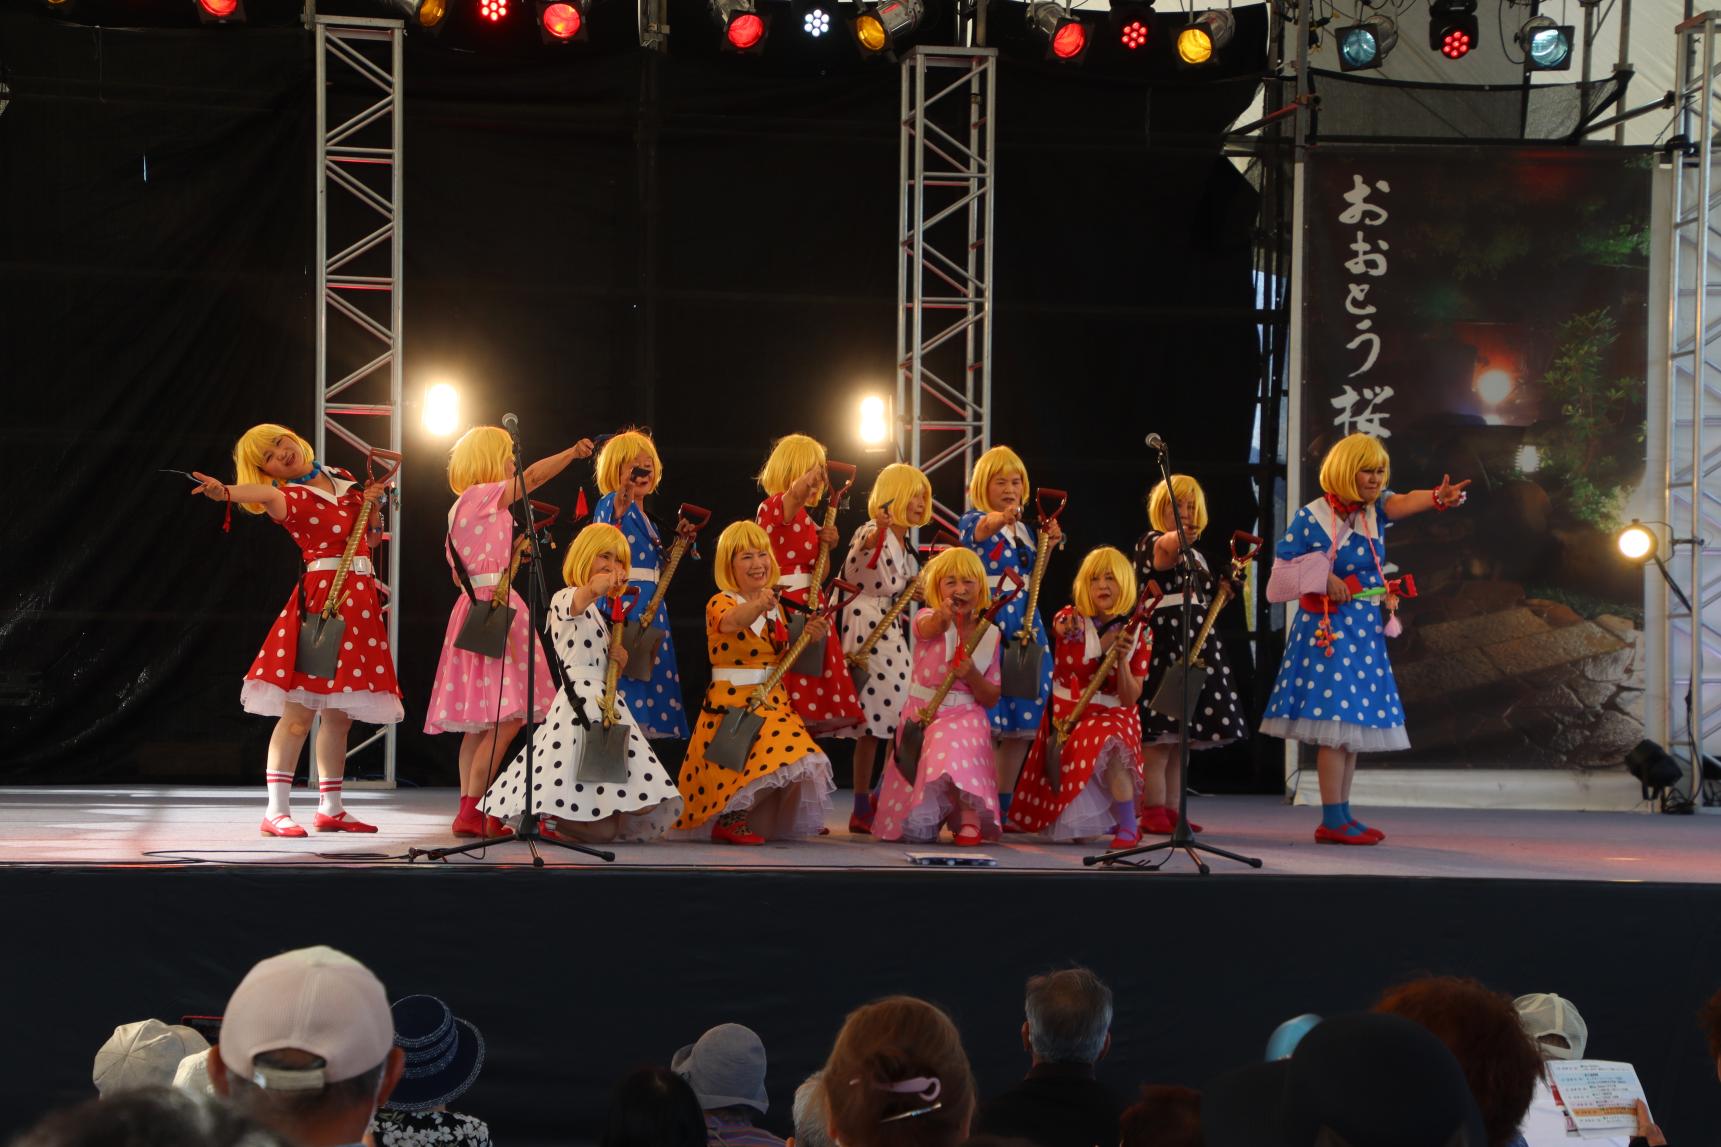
(359, 249)
(944, 268)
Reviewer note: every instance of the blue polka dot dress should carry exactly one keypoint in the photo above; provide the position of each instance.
(655, 704)
(1012, 548)
(1348, 700)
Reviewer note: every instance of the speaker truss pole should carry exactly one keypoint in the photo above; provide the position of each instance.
(359, 252)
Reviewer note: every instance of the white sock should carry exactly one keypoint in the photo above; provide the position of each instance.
(280, 786)
(329, 802)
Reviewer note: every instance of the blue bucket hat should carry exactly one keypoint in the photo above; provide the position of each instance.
(443, 1054)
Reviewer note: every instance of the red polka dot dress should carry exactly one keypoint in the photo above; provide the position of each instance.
(1102, 756)
(364, 684)
(784, 755)
(956, 764)
(827, 703)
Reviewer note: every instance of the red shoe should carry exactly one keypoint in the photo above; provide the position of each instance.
(1325, 835)
(469, 823)
(737, 833)
(341, 822)
(496, 826)
(281, 824)
(1367, 831)
(1156, 819)
(1120, 841)
(967, 836)
(1193, 827)
(859, 826)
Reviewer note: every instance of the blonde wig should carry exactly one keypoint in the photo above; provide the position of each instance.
(791, 456)
(617, 456)
(248, 457)
(1350, 454)
(597, 538)
(1000, 460)
(1159, 512)
(480, 455)
(738, 536)
(1103, 559)
(897, 484)
(957, 561)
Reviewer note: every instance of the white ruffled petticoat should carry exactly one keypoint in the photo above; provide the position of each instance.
(1337, 734)
(266, 700)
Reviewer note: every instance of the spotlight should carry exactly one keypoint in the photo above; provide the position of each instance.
(1366, 45)
(1494, 386)
(880, 25)
(221, 11)
(1206, 34)
(493, 10)
(1656, 771)
(561, 22)
(816, 23)
(1452, 28)
(1547, 46)
(442, 410)
(424, 13)
(1636, 543)
(874, 430)
(743, 27)
(1132, 24)
(1066, 36)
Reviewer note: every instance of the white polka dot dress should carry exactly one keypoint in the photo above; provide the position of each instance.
(1218, 718)
(886, 686)
(1343, 696)
(364, 685)
(647, 803)
(657, 702)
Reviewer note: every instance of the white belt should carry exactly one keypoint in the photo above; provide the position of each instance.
(642, 573)
(952, 699)
(996, 580)
(486, 580)
(1063, 694)
(795, 580)
(359, 566)
(1172, 599)
(737, 675)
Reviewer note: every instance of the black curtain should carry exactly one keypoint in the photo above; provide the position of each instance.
(702, 243)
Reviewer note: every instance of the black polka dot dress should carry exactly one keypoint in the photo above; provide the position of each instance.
(1218, 717)
(886, 688)
(647, 803)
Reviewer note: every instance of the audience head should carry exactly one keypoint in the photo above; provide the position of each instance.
(1162, 1117)
(307, 1047)
(812, 1119)
(143, 1054)
(192, 1074)
(726, 1069)
(1481, 1029)
(1365, 1080)
(148, 1117)
(653, 1107)
(1289, 1034)
(898, 1077)
(1069, 1017)
(1553, 1024)
(1710, 1018)
(443, 1054)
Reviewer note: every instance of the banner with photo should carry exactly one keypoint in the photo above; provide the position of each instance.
(1484, 312)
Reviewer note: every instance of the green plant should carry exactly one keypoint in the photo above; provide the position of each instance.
(1582, 451)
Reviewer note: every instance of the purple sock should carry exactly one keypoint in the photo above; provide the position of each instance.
(1124, 811)
(863, 802)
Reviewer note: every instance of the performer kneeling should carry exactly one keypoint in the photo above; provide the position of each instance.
(1100, 760)
(644, 805)
(956, 779)
(783, 787)
(484, 698)
(317, 505)
(1335, 687)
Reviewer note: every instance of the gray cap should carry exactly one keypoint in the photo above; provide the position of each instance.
(725, 1067)
(1544, 1014)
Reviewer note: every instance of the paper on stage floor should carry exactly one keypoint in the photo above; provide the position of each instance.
(1600, 1096)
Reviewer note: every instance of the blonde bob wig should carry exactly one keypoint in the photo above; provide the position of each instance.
(791, 456)
(597, 538)
(958, 562)
(618, 454)
(736, 537)
(480, 455)
(1159, 512)
(1102, 560)
(248, 457)
(1350, 454)
(897, 484)
(998, 461)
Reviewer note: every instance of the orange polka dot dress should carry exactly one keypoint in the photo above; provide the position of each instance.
(1106, 739)
(827, 703)
(364, 684)
(784, 755)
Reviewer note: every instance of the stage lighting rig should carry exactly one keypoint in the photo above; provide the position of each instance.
(1066, 36)
(493, 11)
(1365, 45)
(1452, 27)
(221, 11)
(816, 22)
(1547, 46)
(880, 25)
(743, 26)
(1205, 35)
(562, 21)
(1132, 24)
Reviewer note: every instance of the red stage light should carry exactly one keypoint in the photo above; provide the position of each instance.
(745, 30)
(219, 9)
(562, 20)
(493, 10)
(1456, 44)
(1069, 40)
(1133, 35)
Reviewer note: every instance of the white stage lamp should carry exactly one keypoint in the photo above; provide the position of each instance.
(874, 427)
(442, 410)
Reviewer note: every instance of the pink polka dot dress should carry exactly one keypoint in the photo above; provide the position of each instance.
(827, 703)
(364, 684)
(956, 765)
(473, 692)
(1107, 738)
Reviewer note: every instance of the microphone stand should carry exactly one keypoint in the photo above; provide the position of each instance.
(530, 833)
(1181, 839)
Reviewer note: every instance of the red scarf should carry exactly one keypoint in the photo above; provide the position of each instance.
(1343, 508)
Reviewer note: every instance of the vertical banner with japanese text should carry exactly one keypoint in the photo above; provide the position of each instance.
(1483, 312)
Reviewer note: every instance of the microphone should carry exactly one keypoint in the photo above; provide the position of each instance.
(1156, 442)
(511, 423)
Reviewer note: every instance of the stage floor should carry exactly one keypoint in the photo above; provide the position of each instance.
(77, 826)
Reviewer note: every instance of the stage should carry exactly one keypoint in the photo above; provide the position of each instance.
(136, 902)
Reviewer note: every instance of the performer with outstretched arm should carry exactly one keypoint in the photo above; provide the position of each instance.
(1335, 688)
(318, 506)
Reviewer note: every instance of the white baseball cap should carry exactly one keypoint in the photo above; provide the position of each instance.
(1545, 1014)
(315, 1000)
(143, 1054)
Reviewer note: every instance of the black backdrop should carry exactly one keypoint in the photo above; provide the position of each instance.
(702, 243)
